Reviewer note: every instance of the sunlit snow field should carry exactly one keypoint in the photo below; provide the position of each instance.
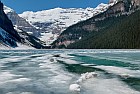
(53, 71)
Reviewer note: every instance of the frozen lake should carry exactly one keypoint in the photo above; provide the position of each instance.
(53, 71)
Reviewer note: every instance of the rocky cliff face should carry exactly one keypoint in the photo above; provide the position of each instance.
(21, 23)
(112, 1)
(30, 40)
(135, 3)
(132, 4)
(10, 38)
(7, 25)
(8, 35)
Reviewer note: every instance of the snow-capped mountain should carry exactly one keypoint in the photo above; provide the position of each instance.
(11, 37)
(47, 25)
(113, 1)
(7, 9)
(101, 8)
(58, 16)
(52, 22)
(19, 22)
(117, 10)
(8, 36)
(62, 17)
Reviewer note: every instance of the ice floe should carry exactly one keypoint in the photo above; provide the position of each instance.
(75, 87)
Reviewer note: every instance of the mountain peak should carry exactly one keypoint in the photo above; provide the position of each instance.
(7, 9)
(112, 1)
(58, 14)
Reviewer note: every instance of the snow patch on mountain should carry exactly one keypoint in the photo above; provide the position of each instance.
(20, 23)
(62, 17)
(100, 8)
(48, 38)
(7, 9)
(65, 16)
(19, 47)
(113, 1)
(58, 15)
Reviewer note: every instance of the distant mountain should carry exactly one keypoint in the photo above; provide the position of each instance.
(125, 34)
(21, 23)
(30, 40)
(113, 1)
(10, 38)
(8, 35)
(111, 25)
(81, 33)
(52, 22)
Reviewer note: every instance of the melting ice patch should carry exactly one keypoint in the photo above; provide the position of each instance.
(59, 75)
(20, 80)
(6, 77)
(11, 59)
(41, 73)
(106, 86)
(75, 87)
(19, 93)
(85, 51)
(84, 77)
(120, 71)
(68, 61)
(66, 55)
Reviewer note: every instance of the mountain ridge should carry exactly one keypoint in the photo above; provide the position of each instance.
(55, 21)
(8, 35)
(19, 22)
(97, 23)
(122, 35)
(10, 38)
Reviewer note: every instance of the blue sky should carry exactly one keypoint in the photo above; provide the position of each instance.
(35, 5)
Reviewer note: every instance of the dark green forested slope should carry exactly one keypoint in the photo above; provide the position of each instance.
(75, 31)
(125, 34)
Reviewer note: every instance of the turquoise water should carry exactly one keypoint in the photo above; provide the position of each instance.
(53, 71)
